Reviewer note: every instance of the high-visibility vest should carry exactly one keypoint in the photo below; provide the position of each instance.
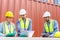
(22, 25)
(6, 29)
(50, 28)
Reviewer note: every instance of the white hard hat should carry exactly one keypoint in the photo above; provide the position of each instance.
(22, 12)
(46, 14)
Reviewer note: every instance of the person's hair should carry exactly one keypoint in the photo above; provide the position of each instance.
(8, 17)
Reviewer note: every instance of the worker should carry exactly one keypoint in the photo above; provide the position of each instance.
(50, 25)
(24, 24)
(7, 28)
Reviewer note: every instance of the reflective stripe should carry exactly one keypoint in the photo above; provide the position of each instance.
(50, 29)
(22, 23)
(6, 29)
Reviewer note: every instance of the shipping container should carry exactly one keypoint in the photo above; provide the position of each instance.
(35, 11)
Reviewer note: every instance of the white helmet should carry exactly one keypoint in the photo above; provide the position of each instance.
(46, 14)
(22, 12)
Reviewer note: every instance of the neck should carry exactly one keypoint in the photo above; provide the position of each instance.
(48, 21)
(8, 22)
(24, 18)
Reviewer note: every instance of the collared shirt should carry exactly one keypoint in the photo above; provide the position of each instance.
(1, 28)
(55, 28)
(29, 27)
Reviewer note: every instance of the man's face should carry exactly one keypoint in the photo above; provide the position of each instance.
(23, 16)
(46, 18)
(9, 19)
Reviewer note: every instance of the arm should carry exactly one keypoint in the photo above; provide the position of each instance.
(44, 31)
(45, 34)
(1, 34)
(15, 30)
(18, 27)
(30, 25)
(56, 28)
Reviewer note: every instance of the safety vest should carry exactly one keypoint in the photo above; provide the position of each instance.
(50, 28)
(22, 25)
(6, 29)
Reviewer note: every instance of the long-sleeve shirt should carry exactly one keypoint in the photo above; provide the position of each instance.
(29, 27)
(1, 29)
(55, 27)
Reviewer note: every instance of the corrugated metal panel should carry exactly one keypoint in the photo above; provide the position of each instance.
(34, 9)
(58, 15)
(4, 7)
(39, 18)
(29, 8)
(17, 7)
(54, 12)
(0, 10)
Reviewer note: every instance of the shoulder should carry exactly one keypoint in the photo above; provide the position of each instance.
(55, 21)
(13, 23)
(29, 19)
(0, 24)
(3, 22)
(44, 23)
(18, 21)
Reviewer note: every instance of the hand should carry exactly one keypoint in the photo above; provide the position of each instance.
(48, 35)
(16, 35)
(45, 35)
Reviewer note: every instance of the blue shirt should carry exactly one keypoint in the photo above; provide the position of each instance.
(55, 29)
(1, 34)
(29, 27)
